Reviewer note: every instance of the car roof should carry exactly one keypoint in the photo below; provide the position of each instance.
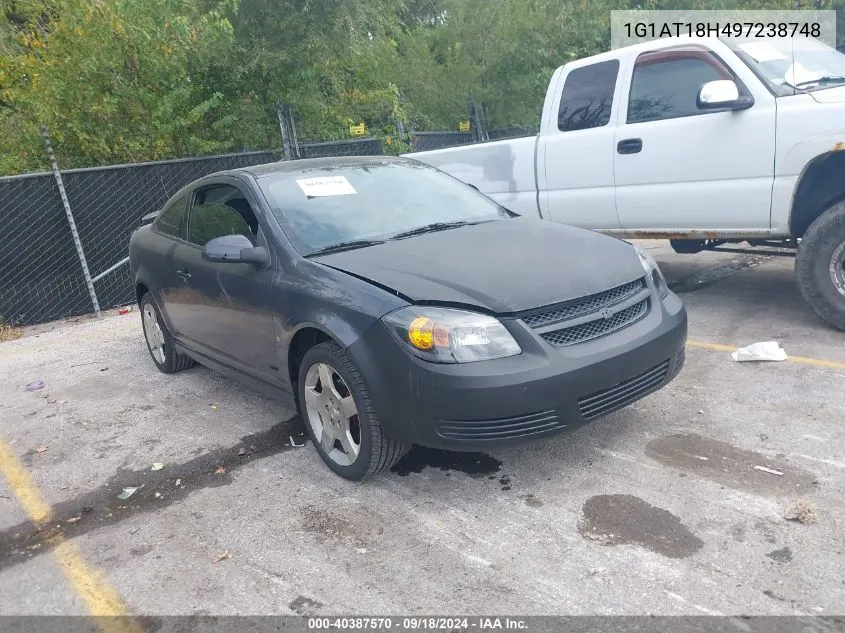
(308, 164)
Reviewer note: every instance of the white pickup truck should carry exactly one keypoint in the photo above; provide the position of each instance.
(701, 141)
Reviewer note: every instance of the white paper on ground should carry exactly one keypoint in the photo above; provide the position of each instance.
(768, 350)
(323, 186)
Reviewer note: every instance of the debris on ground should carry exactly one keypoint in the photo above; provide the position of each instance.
(41, 448)
(157, 466)
(801, 511)
(771, 471)
(293, 442)
(74, 519)
(127, 492)
(158, 495)
(220, 471)
(35, 386)
(765, 351)
(104, 368)
(124, 311)
(178, 481)
(241, 452)
(87, 509)
(223, 556)
(213, 407)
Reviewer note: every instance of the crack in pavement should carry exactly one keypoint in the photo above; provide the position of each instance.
(155, 489)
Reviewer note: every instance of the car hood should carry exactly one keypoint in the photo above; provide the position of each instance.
(502, 266)
(829, 95)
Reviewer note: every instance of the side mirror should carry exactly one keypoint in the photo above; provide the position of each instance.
(235, 249)
(722, 94)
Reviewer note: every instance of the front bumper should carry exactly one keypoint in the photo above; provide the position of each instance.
(540, 392)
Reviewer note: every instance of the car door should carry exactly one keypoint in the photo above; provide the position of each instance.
(575, 150)
(223, 309)
(170, 224)
(680, 167)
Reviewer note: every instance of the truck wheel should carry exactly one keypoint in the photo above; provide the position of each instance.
(820, 266)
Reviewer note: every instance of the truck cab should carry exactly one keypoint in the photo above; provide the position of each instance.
(699, 140)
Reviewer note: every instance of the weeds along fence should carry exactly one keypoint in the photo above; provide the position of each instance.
(45, 237)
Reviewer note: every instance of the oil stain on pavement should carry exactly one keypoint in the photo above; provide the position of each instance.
(628, 520)
(730, 466)
(154, 490)
(476, 465)
(713, 274)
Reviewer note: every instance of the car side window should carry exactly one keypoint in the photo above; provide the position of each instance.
(221, 210)
(172, 218)
(665, 84)
(588, 96)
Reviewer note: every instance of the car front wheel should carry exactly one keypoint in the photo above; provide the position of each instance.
(339, 416)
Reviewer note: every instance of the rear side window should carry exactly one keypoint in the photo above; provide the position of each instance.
(588, 96)
(172, 218)
(665, 85)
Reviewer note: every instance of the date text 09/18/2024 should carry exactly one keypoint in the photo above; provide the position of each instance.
(420, 623)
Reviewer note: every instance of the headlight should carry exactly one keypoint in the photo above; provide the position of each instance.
(653, 270)
(446, 335)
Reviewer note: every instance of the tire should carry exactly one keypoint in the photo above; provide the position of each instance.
(820, 266)
(167, 360)
(375, 451)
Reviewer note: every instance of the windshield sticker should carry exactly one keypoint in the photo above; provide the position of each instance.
(325, 186)
(762, 51)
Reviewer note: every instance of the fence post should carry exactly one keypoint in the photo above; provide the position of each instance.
(478, 131)
(291, 118)
(286, 144)
(66, 203)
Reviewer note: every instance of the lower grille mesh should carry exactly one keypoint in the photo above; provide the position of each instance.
(501, 428)
(623, 393)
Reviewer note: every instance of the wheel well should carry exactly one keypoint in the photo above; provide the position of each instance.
(302, 341)
(821, 186)
(140, 291)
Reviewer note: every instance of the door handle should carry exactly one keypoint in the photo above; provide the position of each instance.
(183, 275)
(629, 146)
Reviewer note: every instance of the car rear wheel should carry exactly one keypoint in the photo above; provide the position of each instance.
(159, 341)
(820, 266)
(339, 416)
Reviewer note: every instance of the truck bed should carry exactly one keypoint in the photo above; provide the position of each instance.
(504, 170)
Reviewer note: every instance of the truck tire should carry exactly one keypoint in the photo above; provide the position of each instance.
(820, 266)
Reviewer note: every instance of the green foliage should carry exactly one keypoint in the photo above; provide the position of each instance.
(131, 80)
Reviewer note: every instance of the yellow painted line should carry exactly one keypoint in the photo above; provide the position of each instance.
(801, 360)
(100, 598)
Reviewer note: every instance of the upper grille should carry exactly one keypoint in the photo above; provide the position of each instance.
(592, 304)
(599, 327)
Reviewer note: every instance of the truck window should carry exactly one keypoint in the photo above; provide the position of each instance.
(665, 84)
(587, 96)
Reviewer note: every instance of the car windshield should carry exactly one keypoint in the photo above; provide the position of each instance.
(354, 204)
(790, 64)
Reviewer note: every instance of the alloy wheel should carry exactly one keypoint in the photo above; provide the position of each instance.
(332, 414)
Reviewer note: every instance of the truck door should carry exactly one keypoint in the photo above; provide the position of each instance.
(678, 166)
(575, 149)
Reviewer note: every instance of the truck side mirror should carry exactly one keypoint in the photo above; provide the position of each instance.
(722, 94)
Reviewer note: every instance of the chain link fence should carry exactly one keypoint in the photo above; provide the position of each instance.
(41, 275)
